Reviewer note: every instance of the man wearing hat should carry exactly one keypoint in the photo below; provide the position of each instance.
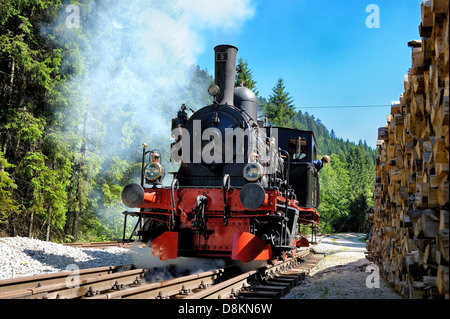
(319, 163)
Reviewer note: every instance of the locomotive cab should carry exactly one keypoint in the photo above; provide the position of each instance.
(303, 176)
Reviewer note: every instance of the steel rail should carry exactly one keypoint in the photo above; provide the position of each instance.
(225, 289)
(107, 244)
(172, 288)
(67, 284)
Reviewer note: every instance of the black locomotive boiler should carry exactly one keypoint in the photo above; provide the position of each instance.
(242, 189)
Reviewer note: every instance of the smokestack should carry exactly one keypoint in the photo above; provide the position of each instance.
(225, 72)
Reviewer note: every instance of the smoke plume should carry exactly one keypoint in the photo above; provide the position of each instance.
(139, 61)
(131, 65)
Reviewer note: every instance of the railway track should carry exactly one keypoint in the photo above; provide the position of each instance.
(125, 282)
(106, 244)
(264, 283)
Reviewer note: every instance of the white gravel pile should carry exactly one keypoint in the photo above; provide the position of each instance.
(20, 256)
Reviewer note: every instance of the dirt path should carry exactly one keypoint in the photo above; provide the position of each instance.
(342, 273)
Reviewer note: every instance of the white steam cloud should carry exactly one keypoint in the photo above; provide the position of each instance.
(140, 56)
(173, 268)
(183, 266)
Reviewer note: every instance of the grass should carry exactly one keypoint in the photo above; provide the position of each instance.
(327, 288)
(324, 290)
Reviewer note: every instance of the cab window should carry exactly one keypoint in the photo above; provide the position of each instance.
(297, 148)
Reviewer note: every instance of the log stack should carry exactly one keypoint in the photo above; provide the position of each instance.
(409, 240)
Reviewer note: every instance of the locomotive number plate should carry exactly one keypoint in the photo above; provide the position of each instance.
(221, 56)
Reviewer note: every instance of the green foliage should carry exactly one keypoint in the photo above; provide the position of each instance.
(47, 188)
(36, 175)
(27, 127)
(280, 107)
(41, 66)
(334, 186)
(7, 203)
(244, 76)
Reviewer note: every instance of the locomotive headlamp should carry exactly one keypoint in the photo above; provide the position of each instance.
(213, 90)
(153, 171)
(252, 171)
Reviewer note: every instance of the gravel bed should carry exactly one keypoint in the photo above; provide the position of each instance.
(342, 273)
(20, 257)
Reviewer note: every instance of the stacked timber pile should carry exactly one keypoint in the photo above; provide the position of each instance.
(409, 239)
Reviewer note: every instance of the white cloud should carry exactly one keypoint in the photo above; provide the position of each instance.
(229, 15)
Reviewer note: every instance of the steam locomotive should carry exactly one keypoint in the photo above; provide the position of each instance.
(243, 187)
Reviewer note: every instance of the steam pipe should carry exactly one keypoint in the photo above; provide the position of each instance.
(144, 145)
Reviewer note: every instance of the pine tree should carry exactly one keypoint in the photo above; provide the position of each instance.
(7, 185)
(280, 109)
(244, 76)
(332, 134)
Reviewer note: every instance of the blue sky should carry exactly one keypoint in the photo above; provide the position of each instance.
(328, 57)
